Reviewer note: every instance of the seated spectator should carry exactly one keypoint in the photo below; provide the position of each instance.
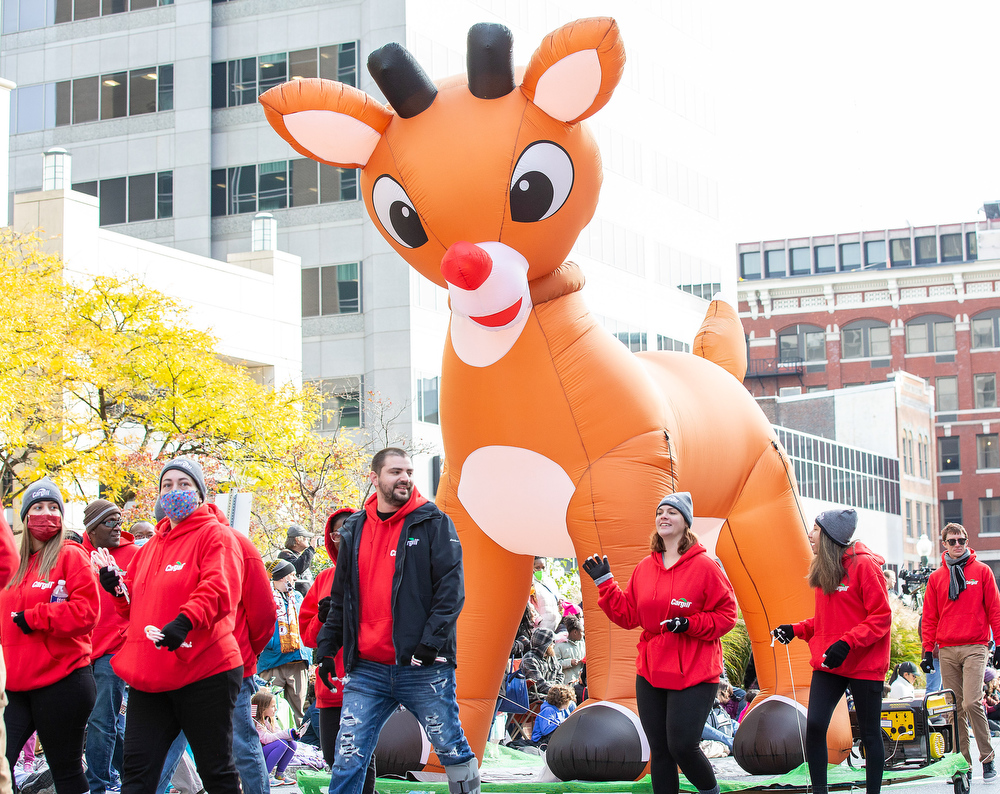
(559, 704)
(279, 745)
(720, 727)
(991, 700)
(572, 655)
(522, 640)
(540, 667)
(901, 682)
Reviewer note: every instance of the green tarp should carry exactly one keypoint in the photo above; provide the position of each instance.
(311, 782)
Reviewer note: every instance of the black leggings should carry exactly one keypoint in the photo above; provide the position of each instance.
(673, 720)
(204, 711)
(825, 693)
(329, 725)
(59, 712)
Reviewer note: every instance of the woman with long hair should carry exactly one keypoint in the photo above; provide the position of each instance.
(181, 658)
(47, 614)
(848, 641)
(684, 604)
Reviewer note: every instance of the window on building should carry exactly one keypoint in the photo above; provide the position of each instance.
(930, 334)
(971, 246)
(800, 261)
(987, 451)
(789, 391)
(340, 400)
(826, 258)
(951, 511)
(802, 343)
(114, 95)
(775, 263)
(875, 254)
(332, 289)
(865, 339)
(986, 329)
(666, 343)
(140, 197)
(285, 183)
(899, 252)
(986, 390)
(989, 516)
(951, 248)
(902, 455)
(634, 340)
(850, 256)
(909, 519)
(427, 400)
(946, 393)
(926, 250)
(750, 265)
(918, 514)
(909, 436)
(241, 81)
(927, 518)
(948, 453)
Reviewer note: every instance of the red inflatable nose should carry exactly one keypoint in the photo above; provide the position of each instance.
(466, 265)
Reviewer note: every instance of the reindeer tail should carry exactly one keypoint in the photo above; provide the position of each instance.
(721, 339)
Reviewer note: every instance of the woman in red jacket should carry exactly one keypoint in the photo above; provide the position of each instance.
(312, 615)
(181, 659)
(47, 614)
(684, 604)
(848, 641)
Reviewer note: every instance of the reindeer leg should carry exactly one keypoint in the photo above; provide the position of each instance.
(497, 584)
(765, 552)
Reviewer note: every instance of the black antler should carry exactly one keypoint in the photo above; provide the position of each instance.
(406, 86)
(490, 60)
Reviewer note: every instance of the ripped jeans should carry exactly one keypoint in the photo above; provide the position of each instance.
(372, 693)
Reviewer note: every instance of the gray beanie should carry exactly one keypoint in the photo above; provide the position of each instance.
(44, 490)
(838, 524)
(190, 467)
(682, 502)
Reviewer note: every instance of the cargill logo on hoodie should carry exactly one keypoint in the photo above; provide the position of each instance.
(175, 567)
(683, 603)
(843, 588)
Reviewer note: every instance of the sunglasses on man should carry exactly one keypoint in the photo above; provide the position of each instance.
(956, 541)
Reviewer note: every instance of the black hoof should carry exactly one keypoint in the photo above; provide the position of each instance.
(598, 742)
(769, 740)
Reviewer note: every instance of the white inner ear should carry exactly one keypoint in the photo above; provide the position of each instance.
(570, 85)
(331, 136)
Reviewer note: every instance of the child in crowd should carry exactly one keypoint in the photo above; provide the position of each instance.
(279, 745)
(559, 703)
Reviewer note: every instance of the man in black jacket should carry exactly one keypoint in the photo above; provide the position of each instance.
(397, 592)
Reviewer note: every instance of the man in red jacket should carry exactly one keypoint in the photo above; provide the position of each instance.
(961, 605)
(10, 558)
(102, 523)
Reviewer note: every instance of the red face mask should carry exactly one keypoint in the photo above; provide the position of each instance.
(44, 527)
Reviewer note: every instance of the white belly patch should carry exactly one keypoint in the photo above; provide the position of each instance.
(519, 499)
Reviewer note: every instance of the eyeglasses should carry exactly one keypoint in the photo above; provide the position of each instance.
(956, 541)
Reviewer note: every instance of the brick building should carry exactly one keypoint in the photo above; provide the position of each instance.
(841, 311)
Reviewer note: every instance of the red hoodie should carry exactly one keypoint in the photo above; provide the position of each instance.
(10, 557)
(60, 642)
(194, 568)
(309, 623)
(109, 634)
(694, 588)
(967, 620)
(857, 612)
(376, 567)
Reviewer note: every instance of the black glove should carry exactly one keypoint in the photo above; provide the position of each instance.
(995, 658)
(836, 654)
(424, 656)
(175, 632)
(323, 608)
(927, 663)
(678, 625)
(22, 624)
(784, 633)
(597, 568)
(327, 670)
(295, 733)
(110, 580)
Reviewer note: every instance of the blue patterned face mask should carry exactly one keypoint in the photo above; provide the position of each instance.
(178, 505)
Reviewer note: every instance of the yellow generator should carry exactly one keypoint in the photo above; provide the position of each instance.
(915, 732)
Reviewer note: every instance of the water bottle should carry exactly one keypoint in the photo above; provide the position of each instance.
(59, 592)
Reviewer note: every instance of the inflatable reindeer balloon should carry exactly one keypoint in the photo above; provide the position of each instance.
(559, 441)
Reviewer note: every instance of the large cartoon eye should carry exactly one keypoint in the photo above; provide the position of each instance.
(542, 180)
(396, 213)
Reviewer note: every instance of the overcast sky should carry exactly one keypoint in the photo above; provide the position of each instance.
(855, 115)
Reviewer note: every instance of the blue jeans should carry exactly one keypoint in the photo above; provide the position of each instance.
(710, 732)
(371, 694)
(934, 679)
(172, 760)
(102, 727)
(248, 754)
